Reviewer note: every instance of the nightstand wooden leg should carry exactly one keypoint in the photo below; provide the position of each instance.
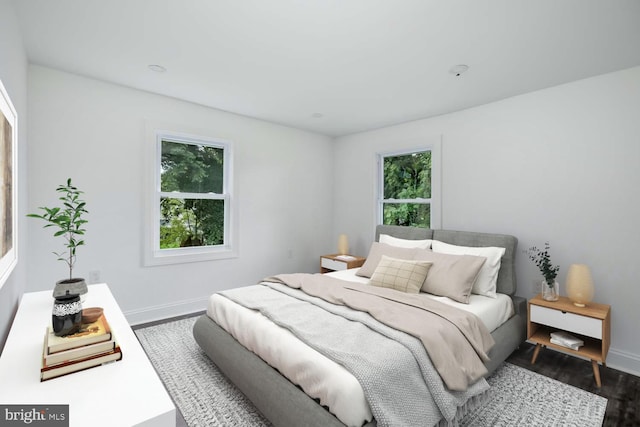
(536, 351)
(596, 373)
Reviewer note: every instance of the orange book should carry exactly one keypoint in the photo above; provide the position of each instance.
(48, 372)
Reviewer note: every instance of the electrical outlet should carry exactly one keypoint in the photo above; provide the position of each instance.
(94, 276)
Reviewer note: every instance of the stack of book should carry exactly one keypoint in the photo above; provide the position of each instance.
(566, 340)
(92, 345)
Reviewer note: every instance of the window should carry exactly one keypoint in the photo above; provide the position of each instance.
(192, 200)
(408, 188)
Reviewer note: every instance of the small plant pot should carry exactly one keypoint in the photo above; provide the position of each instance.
(77, 286)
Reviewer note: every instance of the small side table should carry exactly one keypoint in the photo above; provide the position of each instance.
(592, 324)
(336, 262)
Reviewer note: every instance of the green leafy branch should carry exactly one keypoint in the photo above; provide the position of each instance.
(542, 259)
(68, 220)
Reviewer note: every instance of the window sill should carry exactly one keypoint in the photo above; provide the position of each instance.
(187, 255)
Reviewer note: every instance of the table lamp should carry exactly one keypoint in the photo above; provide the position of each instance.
(579, 284)
(343, 244)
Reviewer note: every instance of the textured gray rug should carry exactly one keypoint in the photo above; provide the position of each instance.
(205, 397)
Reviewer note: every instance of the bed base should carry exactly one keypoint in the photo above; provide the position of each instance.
(277, 398)
(282, 402)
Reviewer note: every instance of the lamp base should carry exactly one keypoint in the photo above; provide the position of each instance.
(577, 304)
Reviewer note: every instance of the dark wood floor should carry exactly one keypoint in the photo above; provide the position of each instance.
(621, 389)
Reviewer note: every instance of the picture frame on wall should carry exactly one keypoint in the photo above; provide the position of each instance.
(8, 185)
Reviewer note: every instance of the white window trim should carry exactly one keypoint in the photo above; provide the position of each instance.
(153, 255)
(435, 146)
(10, 259)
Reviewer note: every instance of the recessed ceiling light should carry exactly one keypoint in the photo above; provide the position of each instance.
(157, 68)
(457, 70)
(317, 115)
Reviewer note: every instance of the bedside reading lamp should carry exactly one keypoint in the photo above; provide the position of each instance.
(343, 244)
(579, 284)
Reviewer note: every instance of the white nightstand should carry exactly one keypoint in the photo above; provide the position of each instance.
(592, 324)
(329, 263)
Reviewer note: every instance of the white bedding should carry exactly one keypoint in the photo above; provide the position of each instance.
(318, 376)
(492, 311)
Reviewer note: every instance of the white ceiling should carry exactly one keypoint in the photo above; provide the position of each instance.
(362, 64)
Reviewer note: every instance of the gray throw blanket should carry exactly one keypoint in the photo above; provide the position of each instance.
(457, 341)
(397, 376)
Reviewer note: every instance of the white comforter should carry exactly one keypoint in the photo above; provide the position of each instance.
(318, 376)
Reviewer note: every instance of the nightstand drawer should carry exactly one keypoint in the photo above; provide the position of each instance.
(332, 264)
(566, 321)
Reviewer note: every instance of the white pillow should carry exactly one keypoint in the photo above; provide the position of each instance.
(405, 243)
(487, 279)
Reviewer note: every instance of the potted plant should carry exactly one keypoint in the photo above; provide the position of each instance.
(542, 259)
(69, 224)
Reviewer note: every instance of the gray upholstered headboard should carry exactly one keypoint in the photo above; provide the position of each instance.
(507, 274)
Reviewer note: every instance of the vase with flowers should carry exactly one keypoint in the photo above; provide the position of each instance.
(542, 259)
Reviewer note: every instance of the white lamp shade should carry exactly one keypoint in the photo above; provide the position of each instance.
(343, 244)
(579, 284)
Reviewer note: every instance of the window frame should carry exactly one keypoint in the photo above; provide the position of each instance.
(154, 255)
(435, 201)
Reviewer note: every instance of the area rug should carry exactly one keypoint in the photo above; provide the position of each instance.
(205, 396)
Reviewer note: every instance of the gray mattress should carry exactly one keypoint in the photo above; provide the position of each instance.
(284, 404)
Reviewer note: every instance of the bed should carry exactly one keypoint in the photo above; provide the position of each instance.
(285, 403)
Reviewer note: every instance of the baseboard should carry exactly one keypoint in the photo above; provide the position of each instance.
(166, 311)
(624, 361)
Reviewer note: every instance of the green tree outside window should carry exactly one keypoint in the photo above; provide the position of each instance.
(192, 208)
(406, 192)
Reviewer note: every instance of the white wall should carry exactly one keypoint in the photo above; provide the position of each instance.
(561, 164)
(94, 132)
(558, 164)
(13, 74)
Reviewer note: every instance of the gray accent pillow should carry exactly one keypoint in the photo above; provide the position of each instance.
(450, 276)
(375, 255)
(400, 274)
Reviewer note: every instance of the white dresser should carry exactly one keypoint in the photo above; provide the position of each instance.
(123, 393)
